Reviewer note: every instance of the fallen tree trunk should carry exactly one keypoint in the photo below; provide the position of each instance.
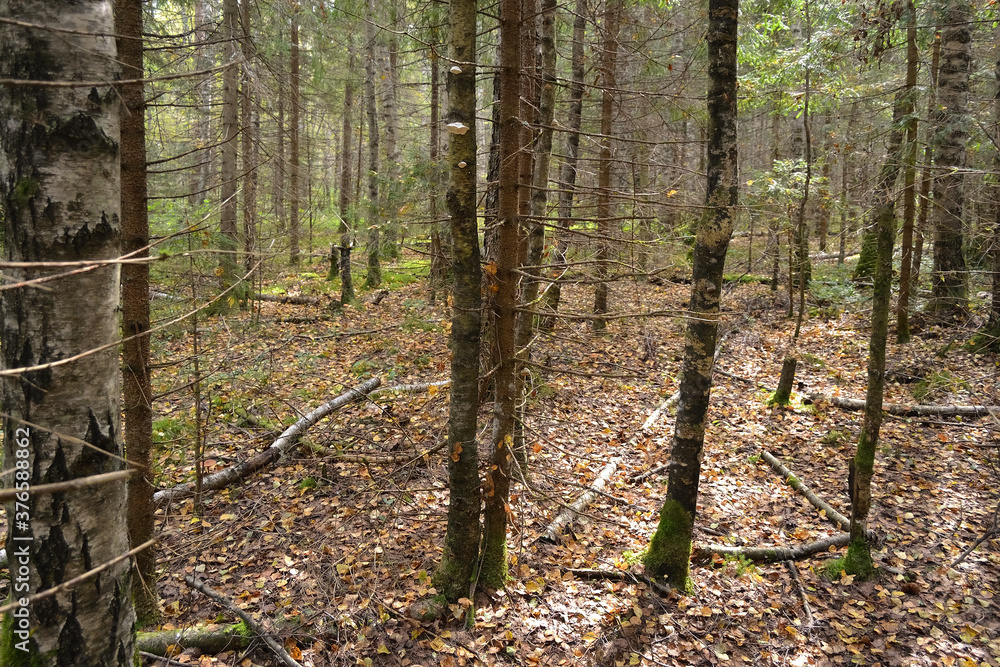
(209, 639)
(566, 517)
(284, 298)
(278, 650)
(286, 441)
(833, 515)
(411, 388)
(908, 410)
(772, 554)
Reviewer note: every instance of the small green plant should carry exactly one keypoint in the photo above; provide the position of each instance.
(754, 460)
(813, 360)
(834, 437)
(937, 383)
(833, 568)
(742, 564)
(308, 483)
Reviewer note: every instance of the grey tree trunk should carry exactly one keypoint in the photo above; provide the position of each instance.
(372, 217)
(669, 553)
(949, 284)
(609, 59)
(293, 141)
(60, 190)
(456, 575)
(568, 175)
(230, 131)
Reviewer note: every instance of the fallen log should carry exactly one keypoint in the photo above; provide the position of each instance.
(833, 515)
(551, 534)
(772, 554)
(284, 298)
(907, 410)
(286, 441)
(411, 388)
(278, 650)
(209, 639)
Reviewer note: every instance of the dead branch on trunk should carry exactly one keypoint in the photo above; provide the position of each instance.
(833, 515)
(908, 410)
(209, 639)
(286, 441)
(773, 554)
(245, 617)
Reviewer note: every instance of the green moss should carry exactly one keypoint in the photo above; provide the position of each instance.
(669, 553)
(859, 560)
(9, 653)
(779, 398)
(494, 572)
(25, 190)
(833, 568)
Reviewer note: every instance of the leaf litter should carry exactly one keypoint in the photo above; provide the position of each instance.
(330, 554)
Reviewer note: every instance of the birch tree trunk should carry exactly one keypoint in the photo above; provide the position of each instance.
(456, 575)
(669, 553)
(59, 183)
(137, 390)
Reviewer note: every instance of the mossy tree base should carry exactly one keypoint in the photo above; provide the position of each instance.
(782, 396)
(669, 554)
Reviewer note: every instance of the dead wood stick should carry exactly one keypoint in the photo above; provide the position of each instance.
(773, 554)
(832, 515)
(990, 532)
(286, 441)
(790, 564)
(551, 534)
(619, 575)
(68, 485)
(284, 298)
(245, 617)
(908, 410)
(210, 639)
(410, 388)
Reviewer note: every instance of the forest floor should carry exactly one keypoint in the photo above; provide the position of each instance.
(329, 554)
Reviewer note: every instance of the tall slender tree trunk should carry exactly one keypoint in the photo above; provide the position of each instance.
(949, 285)
(669, 553)
(60, 190)
(372, 212)
(609, 61)
(201, 182)
(439, 270)
(496, 484)
(250, 105)
(294, 113)
(390, 123)
(926, 170)
(994, 321)
(456, 576)
(859, 560)
(137, 390)
(909, 179)
(346, 213)
(568, 174)
(229, 238)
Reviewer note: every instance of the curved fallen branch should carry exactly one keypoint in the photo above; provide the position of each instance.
(773, 554)
(833, 515)
(286, 441)
(908, 410)
(245, 617)
(209, 639)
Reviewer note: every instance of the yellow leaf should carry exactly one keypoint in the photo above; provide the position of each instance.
(432, 389)
(437, 643)
(383, 649)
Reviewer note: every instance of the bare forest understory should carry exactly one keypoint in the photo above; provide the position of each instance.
(329, 549)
